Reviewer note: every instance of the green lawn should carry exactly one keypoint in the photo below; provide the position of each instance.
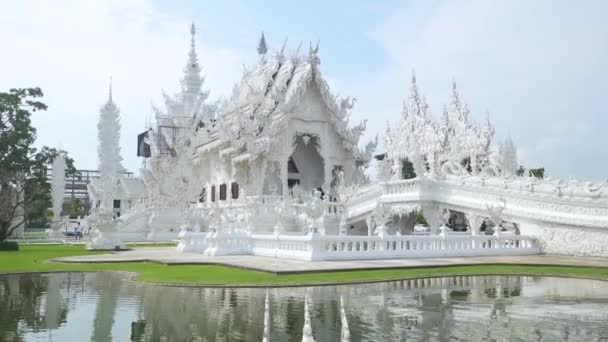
(31, 258)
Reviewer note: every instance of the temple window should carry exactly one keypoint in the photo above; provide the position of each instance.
(223, 192)
(234, 189)
(203, 196)
(213, 193)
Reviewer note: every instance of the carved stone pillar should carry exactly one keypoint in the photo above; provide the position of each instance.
(397, 167)
(435, 216)
(369, 221)
(284, 161)
(475, 222)
(327, 168)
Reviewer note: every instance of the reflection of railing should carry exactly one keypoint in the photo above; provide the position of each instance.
(400, 186)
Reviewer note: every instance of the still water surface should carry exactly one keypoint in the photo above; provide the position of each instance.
(106, 307)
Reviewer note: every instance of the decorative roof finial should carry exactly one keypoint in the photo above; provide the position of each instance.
(110, 90)
(192, 81)
(283, 48)
(192, 34)
(262, 47)
(314, 51)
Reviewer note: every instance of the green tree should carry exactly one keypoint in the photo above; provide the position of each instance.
(75, 209)
(24, 190)
(521, 171)
(37, 208)
(407, 170)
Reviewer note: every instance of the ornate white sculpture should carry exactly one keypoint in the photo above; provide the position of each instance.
(58, 192)
(110, 167)
(508, 158)
(437, 148)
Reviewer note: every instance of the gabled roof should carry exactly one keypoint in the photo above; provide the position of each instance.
(276, 83)
(270, 89)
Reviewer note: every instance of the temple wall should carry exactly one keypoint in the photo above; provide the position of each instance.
(574, 241)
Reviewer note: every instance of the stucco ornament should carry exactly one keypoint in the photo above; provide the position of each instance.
(103, 220)
(450, 145)
(58, 193)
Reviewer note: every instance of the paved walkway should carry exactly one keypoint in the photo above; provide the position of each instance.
(168, 255)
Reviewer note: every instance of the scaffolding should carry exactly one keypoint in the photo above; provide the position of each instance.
(171, 131)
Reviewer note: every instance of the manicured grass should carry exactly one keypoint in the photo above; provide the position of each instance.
(31, 258)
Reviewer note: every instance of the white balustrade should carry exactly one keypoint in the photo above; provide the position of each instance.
(316, 247)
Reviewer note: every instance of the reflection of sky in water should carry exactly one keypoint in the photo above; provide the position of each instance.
(103, 307)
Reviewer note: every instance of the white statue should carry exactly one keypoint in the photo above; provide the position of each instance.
(58, 192)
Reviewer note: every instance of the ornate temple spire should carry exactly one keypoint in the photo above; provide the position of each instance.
(262, 46)
(414, 105)
(108, 148)
(192, 81)
(458, 111)
(414, 86)
(313, 57)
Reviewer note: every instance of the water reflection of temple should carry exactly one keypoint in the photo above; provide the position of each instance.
(105, 308)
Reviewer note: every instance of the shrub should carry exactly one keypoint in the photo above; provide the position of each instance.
(9, 246)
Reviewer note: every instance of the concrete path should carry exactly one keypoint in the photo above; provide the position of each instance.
(169, 256)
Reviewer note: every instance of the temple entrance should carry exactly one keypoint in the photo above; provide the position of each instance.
(305, 166)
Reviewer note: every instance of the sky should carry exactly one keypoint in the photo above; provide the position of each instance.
(539, 68)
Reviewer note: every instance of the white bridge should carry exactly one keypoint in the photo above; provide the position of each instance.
(566, 217)
(547, 216)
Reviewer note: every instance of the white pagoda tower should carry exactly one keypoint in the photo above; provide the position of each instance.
(110, 169)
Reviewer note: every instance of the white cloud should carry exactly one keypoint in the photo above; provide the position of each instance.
(535, 66)
(70, 48)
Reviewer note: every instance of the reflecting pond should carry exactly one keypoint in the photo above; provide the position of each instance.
(107, 307)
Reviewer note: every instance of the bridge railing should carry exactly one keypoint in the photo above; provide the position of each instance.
(317, 247)
(400, 186)
(408, 246)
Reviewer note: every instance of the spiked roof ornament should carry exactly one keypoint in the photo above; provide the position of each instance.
(262, 46)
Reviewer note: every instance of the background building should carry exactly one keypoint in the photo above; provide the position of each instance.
(76, 188)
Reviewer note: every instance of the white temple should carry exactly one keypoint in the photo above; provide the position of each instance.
(278, 170)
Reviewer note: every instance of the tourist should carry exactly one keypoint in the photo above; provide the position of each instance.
(78, 231)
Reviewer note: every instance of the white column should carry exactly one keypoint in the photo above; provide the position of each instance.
(284, 162)
(435, 217)
(475, 222)
(397, 167)
(327, 168)
(369, 221)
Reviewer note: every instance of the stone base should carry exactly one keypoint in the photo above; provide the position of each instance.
(102, 243)
(574, 241)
